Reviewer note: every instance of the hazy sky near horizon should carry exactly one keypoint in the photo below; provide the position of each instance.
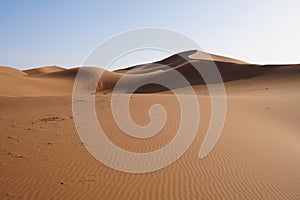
(39, 33)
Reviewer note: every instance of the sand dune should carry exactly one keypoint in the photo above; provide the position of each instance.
(200, 55)
(43, 70)
(256, 157)
(18, 83)
(187, 63)
(230, 70)
(10, 71)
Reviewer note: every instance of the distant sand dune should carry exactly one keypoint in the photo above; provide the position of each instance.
(230, 70)
(187, 63)
(10, 71)
(43, 70)
(17, 83)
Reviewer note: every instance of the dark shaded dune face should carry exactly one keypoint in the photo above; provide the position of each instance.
(172, 61)
(151, 88)
(284, 70)
(192, 70)
(191, 64)
(232, 71)
(179, 59)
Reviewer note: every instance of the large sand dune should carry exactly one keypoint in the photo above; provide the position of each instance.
(53, 80)
(256, 157)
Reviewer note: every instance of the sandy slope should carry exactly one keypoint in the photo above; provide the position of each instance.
(43, 70)
(257, 156)
(14, 82)
(204, 56)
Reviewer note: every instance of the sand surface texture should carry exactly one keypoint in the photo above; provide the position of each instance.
(256, 157)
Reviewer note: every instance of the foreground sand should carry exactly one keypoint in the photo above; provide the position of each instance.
(256, 157)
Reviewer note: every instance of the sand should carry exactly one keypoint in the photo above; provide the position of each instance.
(256, 157)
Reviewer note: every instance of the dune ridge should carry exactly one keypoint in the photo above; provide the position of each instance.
(43, 70)
(186, 63)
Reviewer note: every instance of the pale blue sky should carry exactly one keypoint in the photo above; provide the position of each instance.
(38, 33)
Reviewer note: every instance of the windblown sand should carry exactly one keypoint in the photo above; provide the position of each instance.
(256, 157)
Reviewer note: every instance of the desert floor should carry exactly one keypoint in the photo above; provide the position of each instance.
(256, 157)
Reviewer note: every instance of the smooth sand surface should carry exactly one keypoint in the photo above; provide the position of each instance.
(43, 70)
(256, 157)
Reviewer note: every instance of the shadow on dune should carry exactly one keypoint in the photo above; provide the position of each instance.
(189, 68)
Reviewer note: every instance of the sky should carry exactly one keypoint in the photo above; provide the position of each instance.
(38, 33)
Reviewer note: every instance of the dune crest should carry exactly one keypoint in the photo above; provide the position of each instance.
(57, 80)
(44, 70)
(4, 70)
(200, 55)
